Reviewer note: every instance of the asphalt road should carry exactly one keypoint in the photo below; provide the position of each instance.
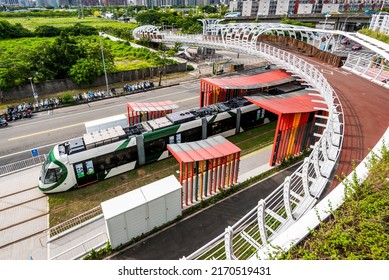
(45, 129)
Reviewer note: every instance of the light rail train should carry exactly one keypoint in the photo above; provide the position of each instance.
(109, 152)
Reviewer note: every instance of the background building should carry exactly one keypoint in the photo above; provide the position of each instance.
(288, 7)
(380, 23)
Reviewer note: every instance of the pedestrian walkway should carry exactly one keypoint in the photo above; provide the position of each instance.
(23, 216)
(75, 243)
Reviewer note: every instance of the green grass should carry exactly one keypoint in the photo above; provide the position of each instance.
(32, 23)
(10, 46)
(359, 229)
(253, 140)
(66, 205)
(375, 34)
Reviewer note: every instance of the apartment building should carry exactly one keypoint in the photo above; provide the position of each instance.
(288, 7)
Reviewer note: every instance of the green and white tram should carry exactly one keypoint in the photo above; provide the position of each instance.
(109, 152)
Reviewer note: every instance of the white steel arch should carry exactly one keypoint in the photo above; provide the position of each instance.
(239, 36)
(300, 191)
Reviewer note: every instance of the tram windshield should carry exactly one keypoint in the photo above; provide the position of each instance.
(45, 167)
(50, 172)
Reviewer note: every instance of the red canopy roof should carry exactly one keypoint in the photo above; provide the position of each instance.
(266, 79)
(152, 107)
(210, 148)
(295, 104)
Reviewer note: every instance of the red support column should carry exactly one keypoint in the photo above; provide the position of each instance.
(215, 172)
(274, 149)
(237, 167)
(219, 173)
(191, 182)
(210, 177)
(232, 169)
(224, 167)
(228, 171)
(186, 183)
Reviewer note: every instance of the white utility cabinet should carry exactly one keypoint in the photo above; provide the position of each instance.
(139, 211)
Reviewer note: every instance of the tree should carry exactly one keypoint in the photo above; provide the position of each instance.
(61, 55)
(148, 17)
(90, 64)
(175, 49)
(79, 29)
(84, 71)
(161, 61)
(47, 31)
(9, 31)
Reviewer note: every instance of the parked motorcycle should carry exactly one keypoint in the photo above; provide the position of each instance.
(3, 122)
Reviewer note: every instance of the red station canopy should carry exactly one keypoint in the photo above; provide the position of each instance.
(295, 104)
(207, 149)
(262, 80)
(152, 107)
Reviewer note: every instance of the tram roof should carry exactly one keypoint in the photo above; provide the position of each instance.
(152, 107)
(262, 80)
(206, 149)
(294, 104)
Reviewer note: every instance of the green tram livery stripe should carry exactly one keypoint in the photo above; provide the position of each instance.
(161, 133)
(123, 145)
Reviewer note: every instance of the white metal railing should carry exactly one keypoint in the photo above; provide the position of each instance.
(300, 191)
(74, 223)
(368, 67)
(81, 250)
(21, 165)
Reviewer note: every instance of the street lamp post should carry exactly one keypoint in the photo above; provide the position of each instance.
(344, 24)
(325, 21)
(105, 70)
(33, 90)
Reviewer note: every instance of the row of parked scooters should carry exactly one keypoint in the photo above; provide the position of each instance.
(17, 112)
(138, 86)
(25, 110)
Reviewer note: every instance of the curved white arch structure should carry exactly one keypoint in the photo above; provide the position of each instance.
(245, 35)
(300, 191)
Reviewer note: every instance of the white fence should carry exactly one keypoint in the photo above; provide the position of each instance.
(21, 165)
(369, 67)
(300, 191)
(81, 250)
(74, 223)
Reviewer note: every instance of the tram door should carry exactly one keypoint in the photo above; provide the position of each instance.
(85, 173)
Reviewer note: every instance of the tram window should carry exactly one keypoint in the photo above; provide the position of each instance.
(171, 139)
(221, 126)
(154, 147)
(191, 135)
(115, 159)
(53, 175)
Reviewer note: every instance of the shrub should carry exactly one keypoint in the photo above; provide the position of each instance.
(189, 67)
(67, 98)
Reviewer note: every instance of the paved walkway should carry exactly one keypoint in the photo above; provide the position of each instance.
(23, 210)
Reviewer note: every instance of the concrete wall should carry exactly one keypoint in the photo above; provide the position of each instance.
(67, 84)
